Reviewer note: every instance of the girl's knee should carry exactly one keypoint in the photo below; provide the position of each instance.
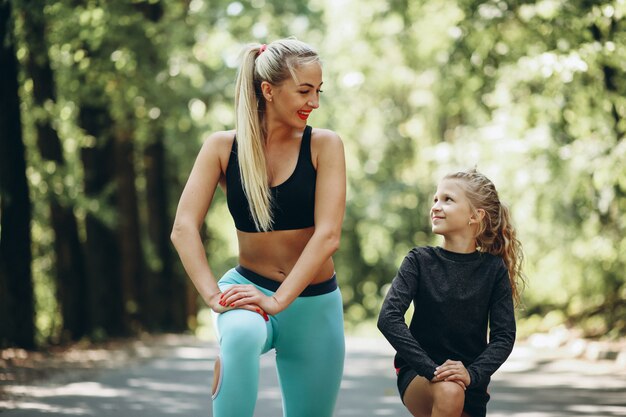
(448, 396)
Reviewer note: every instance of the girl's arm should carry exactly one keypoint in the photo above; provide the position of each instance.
(391, 319)
(501, 332)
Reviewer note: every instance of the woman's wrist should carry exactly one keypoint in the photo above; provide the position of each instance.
(208, 298)
(277, 304)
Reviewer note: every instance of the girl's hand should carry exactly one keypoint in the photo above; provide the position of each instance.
(216, 304)
(453, 371)
(240, 296)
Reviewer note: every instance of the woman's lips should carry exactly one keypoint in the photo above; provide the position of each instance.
(303, 114)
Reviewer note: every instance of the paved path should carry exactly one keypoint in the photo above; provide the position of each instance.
(176, 382)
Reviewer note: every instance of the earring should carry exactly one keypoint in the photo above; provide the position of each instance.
(469, 222)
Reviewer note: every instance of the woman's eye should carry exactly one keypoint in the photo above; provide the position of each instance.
(303, 92)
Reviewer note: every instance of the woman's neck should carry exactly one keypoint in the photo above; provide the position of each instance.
(277, 132)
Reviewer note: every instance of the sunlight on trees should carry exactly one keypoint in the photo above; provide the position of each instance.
(533, 95)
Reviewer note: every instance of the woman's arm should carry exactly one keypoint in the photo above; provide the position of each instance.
(195, 200)
(330, 202)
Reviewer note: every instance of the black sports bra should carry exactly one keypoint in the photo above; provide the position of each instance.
(293, 201)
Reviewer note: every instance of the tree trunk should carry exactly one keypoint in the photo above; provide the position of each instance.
(137, 290)
(107, 310)
(17, 324)
(70, 277)
(170, 288)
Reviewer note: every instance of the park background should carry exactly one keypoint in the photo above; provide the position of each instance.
(105, 104)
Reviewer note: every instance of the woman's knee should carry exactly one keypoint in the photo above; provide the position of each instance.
(242, 331)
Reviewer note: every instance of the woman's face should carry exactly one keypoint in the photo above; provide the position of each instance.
(293, 100)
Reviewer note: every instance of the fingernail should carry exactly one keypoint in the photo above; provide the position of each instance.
(266, 317)
(232, 305)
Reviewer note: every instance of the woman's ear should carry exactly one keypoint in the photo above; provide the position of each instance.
(266, 89)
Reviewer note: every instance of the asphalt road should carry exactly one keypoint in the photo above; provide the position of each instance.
(176, 382)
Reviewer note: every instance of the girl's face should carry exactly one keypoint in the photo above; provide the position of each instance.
(451, 212)
(293, 101)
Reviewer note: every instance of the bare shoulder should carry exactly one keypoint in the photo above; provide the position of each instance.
(324, 135)
(325, 140)
(218, 145)
(326, 149)
(220, 140)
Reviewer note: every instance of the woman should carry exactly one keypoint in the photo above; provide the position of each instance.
(285, 188)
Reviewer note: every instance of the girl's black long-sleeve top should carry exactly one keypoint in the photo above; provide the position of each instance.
(457, 298)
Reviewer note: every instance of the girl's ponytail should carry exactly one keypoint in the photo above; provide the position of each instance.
(496, 234)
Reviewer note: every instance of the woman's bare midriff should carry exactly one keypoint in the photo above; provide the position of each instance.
(274, 254)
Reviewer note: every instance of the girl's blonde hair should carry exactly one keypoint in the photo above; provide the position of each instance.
(496, 234)
(273, 63)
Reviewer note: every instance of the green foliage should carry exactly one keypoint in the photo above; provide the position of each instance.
(530, 92)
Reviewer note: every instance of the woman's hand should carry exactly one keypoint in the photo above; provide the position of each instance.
(453, 371)
(242, 296)
(216, 304)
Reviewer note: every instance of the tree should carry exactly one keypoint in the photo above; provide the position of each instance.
(16, 288)
(70, 280)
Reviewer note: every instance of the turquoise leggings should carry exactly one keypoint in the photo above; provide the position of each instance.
(309, 343)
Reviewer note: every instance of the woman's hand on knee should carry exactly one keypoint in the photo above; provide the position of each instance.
(247, 297)
(453, 371)
(214, 303)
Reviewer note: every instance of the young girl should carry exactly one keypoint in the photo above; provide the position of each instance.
(444, 360)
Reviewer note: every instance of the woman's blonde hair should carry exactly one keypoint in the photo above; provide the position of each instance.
(273, 63)
(495, 234)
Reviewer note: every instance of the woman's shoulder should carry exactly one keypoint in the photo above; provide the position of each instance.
(219, 142)
(324, 137)
(219, 139)
(325, 144)
(217, 147)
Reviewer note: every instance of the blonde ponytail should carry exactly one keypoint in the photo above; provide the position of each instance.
(273, 63)
(251, 142)
(496, 234)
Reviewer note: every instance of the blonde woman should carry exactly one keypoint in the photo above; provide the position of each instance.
(285, 187)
